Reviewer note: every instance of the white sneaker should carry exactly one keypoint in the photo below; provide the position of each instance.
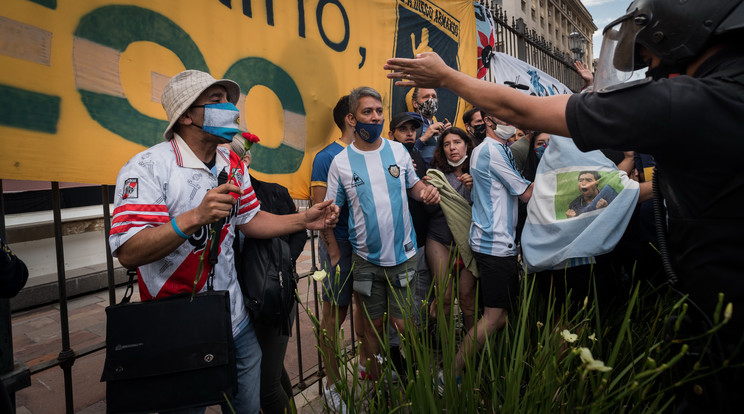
(334, 401)
(440, 383)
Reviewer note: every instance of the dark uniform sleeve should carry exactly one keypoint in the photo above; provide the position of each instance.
(13, 272)
(636, 118)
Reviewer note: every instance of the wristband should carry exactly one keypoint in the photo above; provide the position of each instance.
(178, 231)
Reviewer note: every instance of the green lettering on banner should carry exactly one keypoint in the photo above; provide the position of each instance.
(29, 110)
(117, 27)
(253, 71)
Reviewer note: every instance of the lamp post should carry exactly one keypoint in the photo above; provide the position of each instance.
(576, 43)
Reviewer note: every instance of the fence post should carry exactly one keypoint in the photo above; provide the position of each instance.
(13, 375)
(106, 232)
(521, 42)
(66, 356)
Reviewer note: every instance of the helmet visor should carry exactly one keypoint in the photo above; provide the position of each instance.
(617, 57)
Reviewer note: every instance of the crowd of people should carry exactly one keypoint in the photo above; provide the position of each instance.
(436, 205)
(450, 199)
(692, 93)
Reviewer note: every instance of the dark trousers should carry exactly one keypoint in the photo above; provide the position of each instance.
(276, 388)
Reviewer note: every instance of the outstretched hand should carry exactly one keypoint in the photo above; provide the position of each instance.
(584, 72)
(321, 216)
(426, 70)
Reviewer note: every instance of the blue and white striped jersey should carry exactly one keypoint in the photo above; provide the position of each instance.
(374, 184)
(496, 187)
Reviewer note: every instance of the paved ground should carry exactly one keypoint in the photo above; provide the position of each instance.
(37, 339)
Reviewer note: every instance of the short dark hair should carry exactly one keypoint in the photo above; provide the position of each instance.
(467, 117)
(340, 111)
(440, 160)
(594, 173)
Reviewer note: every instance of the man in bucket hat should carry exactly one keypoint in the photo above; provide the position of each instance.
(168, 197)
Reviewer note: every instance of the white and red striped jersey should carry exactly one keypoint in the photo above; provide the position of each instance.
(163, 182)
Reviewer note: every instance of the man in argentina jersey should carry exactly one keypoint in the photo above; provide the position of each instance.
(167, 197)
(373, 176)
(336, 292)
(497, 186)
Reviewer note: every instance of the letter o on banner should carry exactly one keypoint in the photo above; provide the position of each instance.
(100, 90)
(340, 46)
(286, 158)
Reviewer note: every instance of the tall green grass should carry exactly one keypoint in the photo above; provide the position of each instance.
(548, 359)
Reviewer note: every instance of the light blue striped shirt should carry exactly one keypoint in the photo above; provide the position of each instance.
(374, 185)
(496, 187)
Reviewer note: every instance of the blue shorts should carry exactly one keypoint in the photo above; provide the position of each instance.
(336, 290)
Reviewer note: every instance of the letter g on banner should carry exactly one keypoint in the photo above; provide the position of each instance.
(100, 38)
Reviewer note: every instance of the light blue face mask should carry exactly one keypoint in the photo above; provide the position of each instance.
(369, 132)
(220, 119)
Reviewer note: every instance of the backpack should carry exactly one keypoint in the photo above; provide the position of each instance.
(266, 273)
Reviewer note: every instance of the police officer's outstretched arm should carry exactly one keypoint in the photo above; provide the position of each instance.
(428, 70)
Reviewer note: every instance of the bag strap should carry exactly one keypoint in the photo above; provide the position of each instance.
(284, 290)
(130, 286)
(214, 250)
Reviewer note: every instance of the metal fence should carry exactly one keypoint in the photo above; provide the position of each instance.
(16, 375)
(512, 38)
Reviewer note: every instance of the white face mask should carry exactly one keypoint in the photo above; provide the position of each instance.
(505, 131)
(458, 163)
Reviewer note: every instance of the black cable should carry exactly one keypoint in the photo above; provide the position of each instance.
(660, 222)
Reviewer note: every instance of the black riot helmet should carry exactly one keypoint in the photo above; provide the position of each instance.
(674, 30)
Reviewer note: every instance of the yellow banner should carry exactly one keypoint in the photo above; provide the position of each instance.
(81, 80)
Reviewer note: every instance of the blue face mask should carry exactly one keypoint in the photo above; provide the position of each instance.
(369, 132)
(220, 119)
(539, 151)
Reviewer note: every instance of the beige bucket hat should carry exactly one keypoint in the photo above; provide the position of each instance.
(183, 89)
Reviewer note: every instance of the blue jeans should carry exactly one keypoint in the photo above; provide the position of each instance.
(248, 359)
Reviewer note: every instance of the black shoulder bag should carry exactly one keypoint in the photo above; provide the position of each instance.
(266, 276)
(170, 353)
